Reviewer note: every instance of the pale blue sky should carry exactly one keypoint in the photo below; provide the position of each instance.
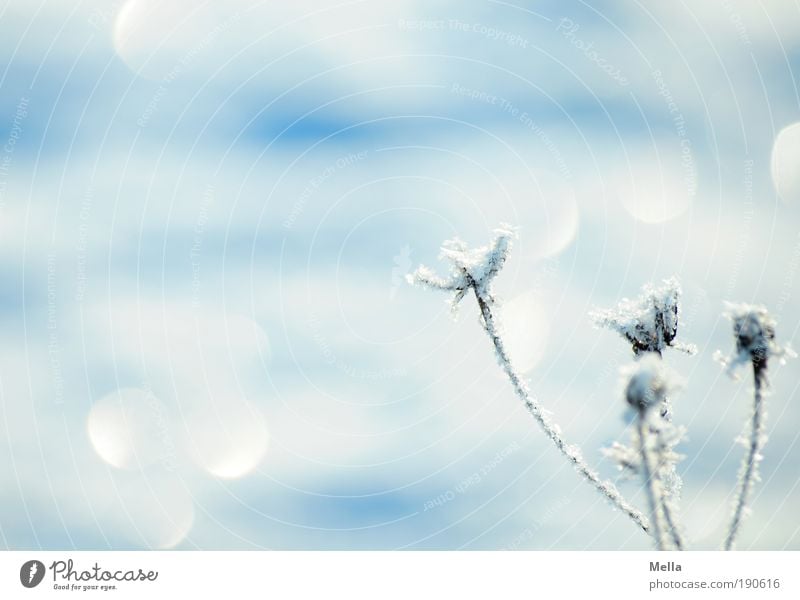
(214, 205)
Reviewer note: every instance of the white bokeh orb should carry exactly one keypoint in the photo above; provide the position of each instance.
(227, 439)
(153, 511)
(130, 429)
(785, 163)
(553, 223)
(528, 330)
(157, 39)
(540, 202)
(660, 180)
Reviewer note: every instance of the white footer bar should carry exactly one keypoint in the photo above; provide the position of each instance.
(389, 575)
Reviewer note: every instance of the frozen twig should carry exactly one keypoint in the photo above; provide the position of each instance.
(650, 483)
(754, 330)
(748, 473)
(647, 382)
(474, 270)
(650, 324)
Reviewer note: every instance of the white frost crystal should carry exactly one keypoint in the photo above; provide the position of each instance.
(649, 322)
(470, 268)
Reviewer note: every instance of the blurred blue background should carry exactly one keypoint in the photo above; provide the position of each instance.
(207, 210)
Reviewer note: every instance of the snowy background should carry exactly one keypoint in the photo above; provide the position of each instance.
(207, 210)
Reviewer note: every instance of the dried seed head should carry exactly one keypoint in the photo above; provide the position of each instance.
(649, 322)
(648, 383)
(469, 268)
(754, 333)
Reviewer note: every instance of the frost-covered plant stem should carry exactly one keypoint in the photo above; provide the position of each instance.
(754, 332)
(475, 269)
(750, 462)
(663, 499)
(674, 532)
(571, 453)
(647, 383)
(650, 484)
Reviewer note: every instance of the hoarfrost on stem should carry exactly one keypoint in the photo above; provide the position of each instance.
(474, 269)
(754, 333)
(470, 268)
(646, 383)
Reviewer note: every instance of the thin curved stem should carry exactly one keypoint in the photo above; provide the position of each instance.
(663, 500)
(650, 485)
(750, 462)
(572, 453)
(674, 533)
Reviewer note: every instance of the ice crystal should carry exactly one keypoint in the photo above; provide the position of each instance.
(469, 268)
(649, 322)
(627, 458)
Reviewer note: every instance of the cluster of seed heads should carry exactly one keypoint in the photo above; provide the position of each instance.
(649, 324)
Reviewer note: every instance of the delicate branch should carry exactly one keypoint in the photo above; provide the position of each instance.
(754, 331)
(475, 269)
(650, 324)
(647, 382)
(749, 470)
(572, 453)
(650, 484)
(667, 460)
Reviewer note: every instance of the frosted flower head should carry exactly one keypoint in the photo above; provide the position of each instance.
(648, 382)
(649, 322)
(470, 268)
(754, 333)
